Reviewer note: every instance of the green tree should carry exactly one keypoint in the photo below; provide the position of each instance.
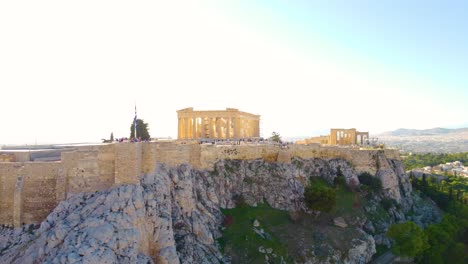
(374, 183)
(458, 253)
(438, 239)
(142, 130)
(410, 239)
(275, 137)
(318, 196)
(442, 238)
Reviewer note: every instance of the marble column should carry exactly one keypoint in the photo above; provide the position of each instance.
(218, 128)
(228, 129)
(238, 127)
(179, 130)
(194, 127)
(187, 128)
(212, 122)
(202, 127)
(257, 128)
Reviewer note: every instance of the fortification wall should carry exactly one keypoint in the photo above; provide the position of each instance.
(175, 154)
(8, 175)
(128, 162)
(211, 153)
(30, 190)
(7, 157)
(15, 156)
(38, 192)
(87, 169)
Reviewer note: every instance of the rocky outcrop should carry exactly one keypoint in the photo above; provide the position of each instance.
(360, 249)
(395, 182)
(153, 221)
(173, 215)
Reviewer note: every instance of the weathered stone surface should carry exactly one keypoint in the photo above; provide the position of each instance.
(362, 250)
(339, 221)
(369, 227)
(173, 215)
(382, 240)
(256, 223)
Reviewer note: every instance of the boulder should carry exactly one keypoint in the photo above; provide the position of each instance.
(256, 223)
(339, 221)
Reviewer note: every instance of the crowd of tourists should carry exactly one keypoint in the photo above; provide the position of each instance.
(241, 141)
(133, 140)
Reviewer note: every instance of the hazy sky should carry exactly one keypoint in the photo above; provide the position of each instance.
(71, 71)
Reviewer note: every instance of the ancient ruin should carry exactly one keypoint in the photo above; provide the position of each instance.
(99, 167)
(220, 124)
(67, 171)
(339, 136)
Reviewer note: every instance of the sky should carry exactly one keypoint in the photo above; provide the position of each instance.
(72, 71)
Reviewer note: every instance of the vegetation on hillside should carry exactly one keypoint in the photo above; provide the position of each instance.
(240, 240)
(410, 239)
(293, 236)
(432, 159)
(370, 182)
(447, 241)
(319, 196)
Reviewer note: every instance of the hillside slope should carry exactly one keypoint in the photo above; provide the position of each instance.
(174, 216)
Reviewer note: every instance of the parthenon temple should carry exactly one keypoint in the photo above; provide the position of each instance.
(339, 136)
(219, 124)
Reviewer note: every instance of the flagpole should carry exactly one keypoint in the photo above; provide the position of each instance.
(135, 123)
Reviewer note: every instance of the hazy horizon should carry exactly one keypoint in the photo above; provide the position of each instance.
(72, 71)
(295, 137)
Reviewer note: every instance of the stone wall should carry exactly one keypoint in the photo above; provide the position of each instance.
(8, 175)
(128, 162)
(320, 140)
(30, 190)
(87, 169)
(175, 154)
(7, 157)
(15, 156)
(212, 153)
(38, 191)
(27, 191)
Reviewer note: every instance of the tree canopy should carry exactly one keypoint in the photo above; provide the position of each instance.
(432, 159)
(373, 183)
(410, 239)
(142, 130)
(275, 137)
(319, 196)
(448, 239)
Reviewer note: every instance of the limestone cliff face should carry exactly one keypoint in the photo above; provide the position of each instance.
(395, 182)
(173, 215)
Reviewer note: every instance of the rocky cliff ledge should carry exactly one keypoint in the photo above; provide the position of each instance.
(173, 215)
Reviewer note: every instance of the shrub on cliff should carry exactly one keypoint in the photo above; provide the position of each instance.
(410, 239)
(319, 196)
(339, 181)
(387, 203)
(239, 200)
(373, 183)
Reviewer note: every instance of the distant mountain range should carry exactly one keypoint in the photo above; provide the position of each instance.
(403, 132)
(439, 140)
